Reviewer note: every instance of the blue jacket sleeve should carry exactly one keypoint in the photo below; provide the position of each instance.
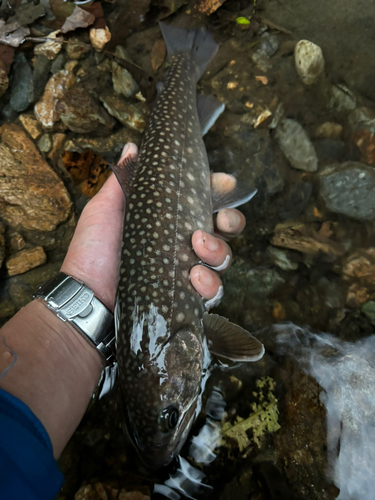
(27, 467)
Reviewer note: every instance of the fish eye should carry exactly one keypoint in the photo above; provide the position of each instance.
(168, 418)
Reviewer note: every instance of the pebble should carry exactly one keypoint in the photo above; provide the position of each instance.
(50, 49)
(341, 98)
(27, 259)
(348, 189)
(125, 112)
(76, 49)
(269, 44)
(99, 38)
(309, 61)
(261, 59)
(280, 258)
(45, 109)
(123, 82)
(58, 141)
(58, 63)
(22, 91)
(31, 125)
(82, 114)
(44, 143)
(42, 66)
(329, 130)
(296, 145)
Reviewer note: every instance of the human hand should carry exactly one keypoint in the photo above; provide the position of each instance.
(93, 253)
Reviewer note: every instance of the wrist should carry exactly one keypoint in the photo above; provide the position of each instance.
(56, 370)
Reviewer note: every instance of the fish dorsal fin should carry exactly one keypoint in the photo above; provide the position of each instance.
(229, 192)
(230, 341)
(209, 109)
(125, 171)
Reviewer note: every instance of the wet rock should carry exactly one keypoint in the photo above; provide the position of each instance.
(309, 61)
(25, 260)
(360, 267)
(2, 245)
(17, 242)
(50, 49)
(329, 149)
(58, 63)
(45, 109)
(4, 80)
(357, 295)
(123, 82)
(82, 114)
(269, 44)
(7, 310)
(341, 98)
(369, 310)
(348, 189)
(125, 112)
(362, 118)
(99, 38)
(295, 200)
(31, 194)
(58, 141)
(364, 139)
(281, 259)
(22, 93)
(329, 130)
(44, 143)
(110, 147)
(296, 145)
(76, 48)
(306, 240)
(261, 60)
(42, 66)
(31, 125)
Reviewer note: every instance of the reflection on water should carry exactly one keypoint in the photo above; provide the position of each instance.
(346, 373)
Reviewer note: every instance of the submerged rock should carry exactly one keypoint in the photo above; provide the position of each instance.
(82, 114)
(309, 61)
(31, 194)
(44, 143)
(25, 260)
(125, 112)
(50, 49)
(123, 82)
(329, 130)
(341, 98)
(4, 80)
(45, 109)
(348, 189)
(296, 145)
(22, 93)
(31, 125)
(42, 66)
(99, 38)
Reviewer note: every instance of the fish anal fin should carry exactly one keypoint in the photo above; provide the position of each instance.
(230, 341)
(229, 192)
(209, 109)
(125, 172)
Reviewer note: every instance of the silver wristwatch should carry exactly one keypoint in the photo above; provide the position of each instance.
(71, 300)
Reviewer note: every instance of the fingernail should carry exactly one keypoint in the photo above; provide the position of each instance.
(233, 219)
(205, 276)
(125, 150)
(209, 242)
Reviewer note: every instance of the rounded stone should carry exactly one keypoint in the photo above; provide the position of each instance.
(309, 61)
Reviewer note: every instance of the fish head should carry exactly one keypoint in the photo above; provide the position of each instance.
(165, 399)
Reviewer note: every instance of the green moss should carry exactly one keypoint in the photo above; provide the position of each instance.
(262, 419)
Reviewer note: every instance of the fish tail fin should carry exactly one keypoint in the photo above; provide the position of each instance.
(198, 43)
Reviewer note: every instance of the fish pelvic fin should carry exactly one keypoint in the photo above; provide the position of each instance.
(209, 109)
(230, 341)
(125, 172)
(229, 192)
(198, 43)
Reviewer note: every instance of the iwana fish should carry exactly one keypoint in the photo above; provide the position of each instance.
(163, 331)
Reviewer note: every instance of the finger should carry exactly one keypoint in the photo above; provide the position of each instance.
(213, 251)
(206, 282)
(230, 223)
(130, 149)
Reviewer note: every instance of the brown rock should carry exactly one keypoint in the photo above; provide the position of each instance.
(2, 245)
(50, 49)
(25, 260)
(365, 141)
(81, 114)
(31, 126)
(4, 80)
(17, 242)
(125, 112)
(305, 240)
(99, 38)
(58, 141)
(45, 109)
(31, 194)
(357, 295)
(360, 267)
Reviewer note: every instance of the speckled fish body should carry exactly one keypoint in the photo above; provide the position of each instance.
(161, 345)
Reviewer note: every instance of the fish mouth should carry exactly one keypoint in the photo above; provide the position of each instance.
(158, 456)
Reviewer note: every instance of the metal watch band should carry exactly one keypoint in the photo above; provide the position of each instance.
(71, 300)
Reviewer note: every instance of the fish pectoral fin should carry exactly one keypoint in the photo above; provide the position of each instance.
(229, 192)
(209, 109)
(230, 341)
(125, 172)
